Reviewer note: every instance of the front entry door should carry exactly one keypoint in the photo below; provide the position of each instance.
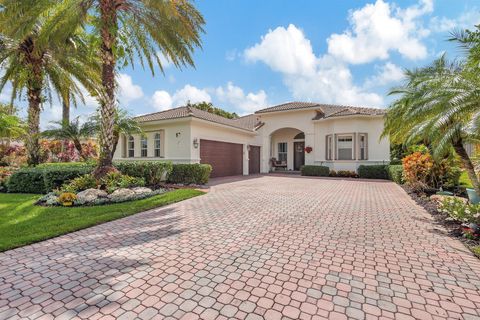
(299, 155)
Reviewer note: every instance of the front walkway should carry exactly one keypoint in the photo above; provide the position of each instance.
(267, 247)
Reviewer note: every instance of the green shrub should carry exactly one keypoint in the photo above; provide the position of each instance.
(312, 170)
(27, 180)
(153, 172)
(395, 173)
(347, 174)
(190, 173)
(373, 171)
(56, 176)
(90, 164)
(78, 184)
(116, 180)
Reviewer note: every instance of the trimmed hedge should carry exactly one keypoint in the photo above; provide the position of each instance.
(190, 173)
(55, 177)
(45, 178)
(395, 173)
(154, 172)
(379, 171)
(27, 180)
(310, 170)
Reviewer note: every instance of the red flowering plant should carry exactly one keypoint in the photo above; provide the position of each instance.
(417, 169)
(308, 149)
(5, 173)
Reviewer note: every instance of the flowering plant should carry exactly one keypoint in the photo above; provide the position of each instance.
(67, 198)
(460, 211)
(417, 168)
(308, 149)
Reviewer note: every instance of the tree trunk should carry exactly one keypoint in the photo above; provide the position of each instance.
(34, 92)
(467, 165)
(107, 108)
(116, 137)
(78, 146)
(65, 111)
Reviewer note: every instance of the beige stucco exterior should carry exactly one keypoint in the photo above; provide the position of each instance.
(180, 138)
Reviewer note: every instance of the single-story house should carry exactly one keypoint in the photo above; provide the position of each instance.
(282, 137)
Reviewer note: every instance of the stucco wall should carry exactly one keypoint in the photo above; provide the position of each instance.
(175, 143)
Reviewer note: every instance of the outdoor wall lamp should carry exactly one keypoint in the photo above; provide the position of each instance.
(195, 143)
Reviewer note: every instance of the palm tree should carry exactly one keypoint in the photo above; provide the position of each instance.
(124, 124)
(72, 131)
(11, 126)
(127, 30)
(39, 64)
(438, 104)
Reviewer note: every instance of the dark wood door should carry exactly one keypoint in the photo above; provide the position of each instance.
(254, 160)
(299, 155)
(225, 158)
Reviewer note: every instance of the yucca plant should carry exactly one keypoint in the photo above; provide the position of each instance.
(38, 64)
(438, 104)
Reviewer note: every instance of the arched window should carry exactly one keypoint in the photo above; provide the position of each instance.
(143, 147)
(131, 147)
(157, 145)
(299, 136)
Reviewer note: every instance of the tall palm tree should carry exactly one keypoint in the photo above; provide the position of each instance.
(127, 30)
(439, 104)
(72, 131)
(39, 64)
(123, 124)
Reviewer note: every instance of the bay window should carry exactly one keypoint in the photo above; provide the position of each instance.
(157, 145)
(131, 147)
(143, 147)
(362, 146)
(345, 148)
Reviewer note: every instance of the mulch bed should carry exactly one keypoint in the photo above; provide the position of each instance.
(453, 228)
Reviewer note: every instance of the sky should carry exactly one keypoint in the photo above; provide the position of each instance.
(257, 54)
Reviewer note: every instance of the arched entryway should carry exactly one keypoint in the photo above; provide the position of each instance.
(287, 149)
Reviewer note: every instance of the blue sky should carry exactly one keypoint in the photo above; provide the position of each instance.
(261, 53)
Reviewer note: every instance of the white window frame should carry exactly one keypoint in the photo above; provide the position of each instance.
(341, 136)
(364, 146)
(131, 147)
(157, 145)
(282, 152)
(143, 147)
(329, 147)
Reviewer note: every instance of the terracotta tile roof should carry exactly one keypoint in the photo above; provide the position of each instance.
(325, 110)
(247, 123)
(251, 122)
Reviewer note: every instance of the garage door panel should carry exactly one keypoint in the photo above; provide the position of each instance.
(225, 158)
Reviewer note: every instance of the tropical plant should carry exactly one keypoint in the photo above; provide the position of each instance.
(11, 126)
(36, 61)
(73, 131)
(438, 104)
(124, 124)
(125, 30)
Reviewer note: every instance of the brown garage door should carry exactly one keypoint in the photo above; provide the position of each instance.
(254, 160)
(226, 158)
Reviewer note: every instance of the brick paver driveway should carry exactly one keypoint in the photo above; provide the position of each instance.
(268, 247)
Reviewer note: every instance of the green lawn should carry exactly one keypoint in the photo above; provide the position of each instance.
(23, 223)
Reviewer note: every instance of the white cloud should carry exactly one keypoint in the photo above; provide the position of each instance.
(387, 74)
(236, 98)
(162, 100)
(128, 91)
(324, 79)
(285, 50)
(466, 20)
(379, 28)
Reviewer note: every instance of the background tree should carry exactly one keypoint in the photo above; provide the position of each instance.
(438, 104)
(40, 63)
(11, 126)
(72, 131)
(208, 106)
(126, 30)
